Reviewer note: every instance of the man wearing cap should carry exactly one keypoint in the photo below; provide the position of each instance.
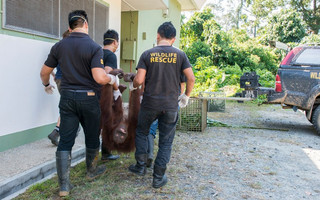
(81, 63)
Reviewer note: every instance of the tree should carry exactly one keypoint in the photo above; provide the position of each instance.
(194, 26)
(285, 26)
(310, 10)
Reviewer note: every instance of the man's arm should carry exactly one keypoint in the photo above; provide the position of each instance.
(45, 74)
(182, 87)
(190, 80)
(45, 77)
(101, 77)
(139, 78)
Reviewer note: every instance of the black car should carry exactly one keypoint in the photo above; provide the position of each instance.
(297, 83)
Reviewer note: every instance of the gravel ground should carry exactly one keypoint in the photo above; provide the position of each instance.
(275, 156)
(280, 160)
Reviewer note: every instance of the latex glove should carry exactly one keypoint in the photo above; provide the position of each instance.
(131, 88)
(112, 79)
(49, 89)
(141, 97)
(183, 100)
(116, 94)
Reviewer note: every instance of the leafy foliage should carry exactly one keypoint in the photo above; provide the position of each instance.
(285, 26)
(311, 39)
(311, 14)
(221, 57)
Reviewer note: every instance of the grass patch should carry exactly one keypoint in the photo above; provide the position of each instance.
(215, 123)
(255, 186)
(117, 183)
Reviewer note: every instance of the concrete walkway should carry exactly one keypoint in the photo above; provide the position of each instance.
(25, 165)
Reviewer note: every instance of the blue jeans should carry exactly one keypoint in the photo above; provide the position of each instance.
(78, 107)
(153, 128)
(167, 126)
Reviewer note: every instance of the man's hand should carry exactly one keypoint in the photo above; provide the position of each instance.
(116, 94)
(183, 100)
(117, 72)
(49, 89)
(112, 79)
(128, 77)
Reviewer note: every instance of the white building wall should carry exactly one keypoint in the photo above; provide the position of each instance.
(115, 19)
(23, 102)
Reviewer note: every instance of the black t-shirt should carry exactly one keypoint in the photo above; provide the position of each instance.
(164, 65)
(109, 59)
(76, 55)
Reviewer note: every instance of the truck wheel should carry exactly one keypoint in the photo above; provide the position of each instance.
(316, 119)
(307, 113)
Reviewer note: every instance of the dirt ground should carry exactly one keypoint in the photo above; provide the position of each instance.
(278, 157)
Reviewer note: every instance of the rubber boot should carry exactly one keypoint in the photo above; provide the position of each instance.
(63, 162)
(150, 150)
(159, 177)
(107, 155)
(93, 171)
(54, 137)
(140, 168)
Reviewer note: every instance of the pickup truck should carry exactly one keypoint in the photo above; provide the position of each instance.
(297, 83)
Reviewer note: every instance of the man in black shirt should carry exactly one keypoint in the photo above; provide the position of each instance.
(80, 60)
(111, 44)
(160, 69)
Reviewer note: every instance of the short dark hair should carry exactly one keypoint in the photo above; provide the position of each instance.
(77, 18)
(167, 30)
(110, 36)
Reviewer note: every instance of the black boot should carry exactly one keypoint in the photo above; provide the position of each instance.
(63, 162)
(54, 137)
(150, 150)
(159, 178)
(141, 167)
(93, 170)
(106, 154)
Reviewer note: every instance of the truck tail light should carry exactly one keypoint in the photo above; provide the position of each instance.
(278, 84)
(287, 60)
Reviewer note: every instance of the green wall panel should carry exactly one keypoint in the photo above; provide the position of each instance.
(142, 27)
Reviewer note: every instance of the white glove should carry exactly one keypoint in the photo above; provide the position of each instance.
(141, 97)
(112, 79)
(183, 100)
(49, 89)
(116, 94)
(131, 88)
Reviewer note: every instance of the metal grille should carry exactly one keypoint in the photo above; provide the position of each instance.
(101, 22)
(193, 117)
(68, 6)
(41, 17)
(33, 16)
(218, 103)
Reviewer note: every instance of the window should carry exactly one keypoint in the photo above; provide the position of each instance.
(33, 16)
(50, 17)
(309, 57)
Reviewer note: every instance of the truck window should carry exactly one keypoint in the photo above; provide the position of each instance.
(309, 57)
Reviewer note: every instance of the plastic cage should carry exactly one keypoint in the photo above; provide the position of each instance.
(194, 116)
(215, 105)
